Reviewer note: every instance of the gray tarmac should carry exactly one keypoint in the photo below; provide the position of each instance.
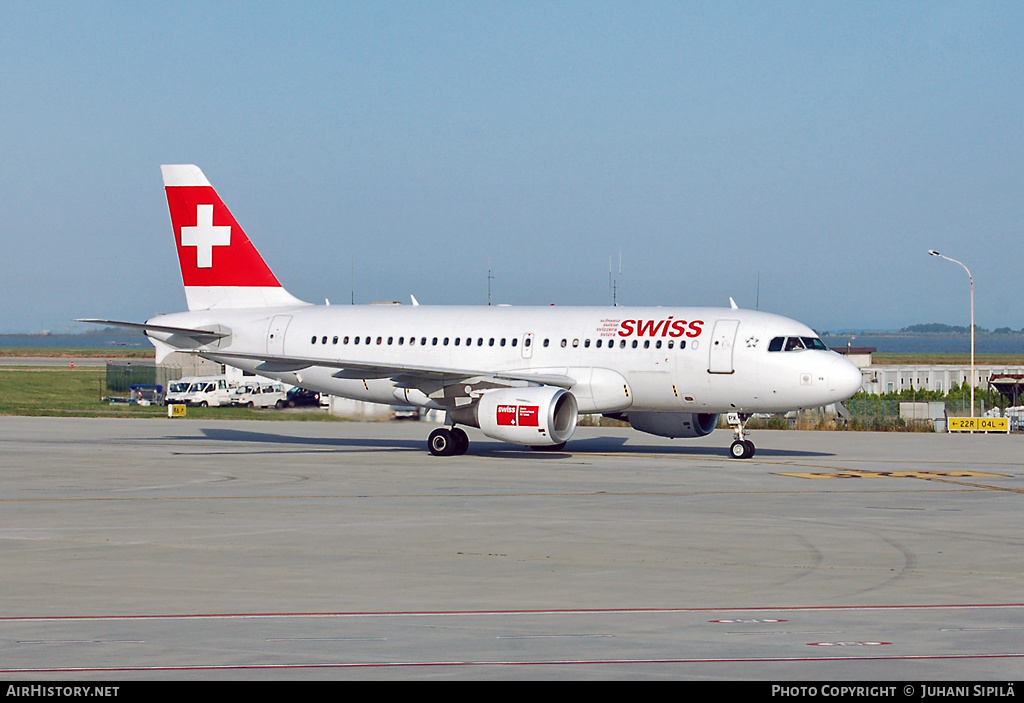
(246, 550)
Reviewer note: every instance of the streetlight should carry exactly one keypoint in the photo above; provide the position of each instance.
(969, 276)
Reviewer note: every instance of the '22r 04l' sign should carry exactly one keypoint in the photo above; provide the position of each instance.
(518, 415)
(978, 424)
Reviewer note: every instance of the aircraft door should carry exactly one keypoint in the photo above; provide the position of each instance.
(275, 334)
(528, 345)
(723, 340)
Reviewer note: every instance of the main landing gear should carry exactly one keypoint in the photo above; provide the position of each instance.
(446, 441)
(741, 448)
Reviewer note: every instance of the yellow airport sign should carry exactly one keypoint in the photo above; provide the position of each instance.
(978, 424)
(175, 411)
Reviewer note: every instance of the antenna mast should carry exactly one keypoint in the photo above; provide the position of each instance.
(489, 279)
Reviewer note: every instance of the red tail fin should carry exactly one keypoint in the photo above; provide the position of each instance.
(219, 265)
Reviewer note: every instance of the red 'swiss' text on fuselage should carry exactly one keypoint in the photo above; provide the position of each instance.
(660, 328)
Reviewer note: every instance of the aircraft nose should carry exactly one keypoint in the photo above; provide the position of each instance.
(845, 378)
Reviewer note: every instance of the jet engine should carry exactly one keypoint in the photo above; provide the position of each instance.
(537, 416)
(674, 424)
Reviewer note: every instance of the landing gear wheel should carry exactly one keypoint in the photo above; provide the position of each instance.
(741, 448)
(461, 441)
(441, 442)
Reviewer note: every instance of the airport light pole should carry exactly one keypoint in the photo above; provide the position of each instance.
(971, 278)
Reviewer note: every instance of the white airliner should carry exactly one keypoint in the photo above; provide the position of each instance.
(519, 374)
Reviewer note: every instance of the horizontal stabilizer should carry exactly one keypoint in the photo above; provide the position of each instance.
(198, 335)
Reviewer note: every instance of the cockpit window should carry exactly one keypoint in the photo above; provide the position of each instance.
(795, 344)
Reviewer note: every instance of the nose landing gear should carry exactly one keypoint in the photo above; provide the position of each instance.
(741, 448)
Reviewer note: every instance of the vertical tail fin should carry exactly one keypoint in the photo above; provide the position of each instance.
(219, 265)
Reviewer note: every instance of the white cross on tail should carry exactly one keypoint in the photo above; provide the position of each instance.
(204, 236)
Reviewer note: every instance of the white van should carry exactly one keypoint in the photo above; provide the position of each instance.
(258, 394)
(177, 390)
(210, 391)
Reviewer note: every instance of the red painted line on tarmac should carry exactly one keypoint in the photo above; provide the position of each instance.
(545, 662)
(552, 611)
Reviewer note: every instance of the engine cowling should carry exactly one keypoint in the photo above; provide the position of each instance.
(536, 416)
(674, 424)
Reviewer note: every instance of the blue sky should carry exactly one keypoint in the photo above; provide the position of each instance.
(802, 156)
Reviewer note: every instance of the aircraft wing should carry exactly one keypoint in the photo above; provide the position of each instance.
(403, 374)
(426, 378)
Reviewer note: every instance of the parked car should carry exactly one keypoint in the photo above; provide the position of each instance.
(258, 395)
(299, 397)
(405, 412)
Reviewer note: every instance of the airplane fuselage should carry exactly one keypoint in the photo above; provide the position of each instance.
(699, 360)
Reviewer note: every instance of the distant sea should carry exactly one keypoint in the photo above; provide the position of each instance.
(885, 343)
(95, 340)
(930, 344)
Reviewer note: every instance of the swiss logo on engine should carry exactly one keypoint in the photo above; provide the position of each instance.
(521, 415)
